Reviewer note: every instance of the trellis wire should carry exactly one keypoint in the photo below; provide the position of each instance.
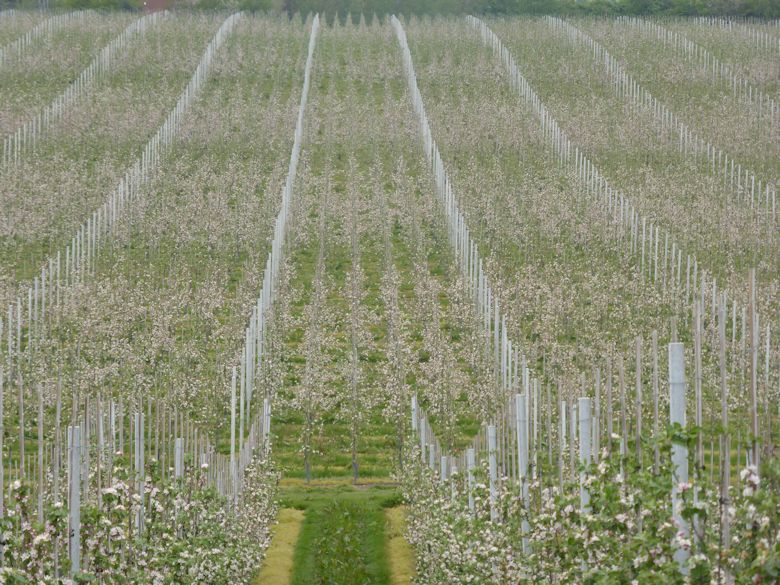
(75, 263)
(689, 143)
(42, 29)
(26, 136)
(254, 335)
(613, 202)
(715, 68)
(87, 430)
(759, 38)
(494, 441)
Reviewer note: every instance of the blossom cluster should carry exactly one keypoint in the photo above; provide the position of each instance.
(626, 534)
(190, 533)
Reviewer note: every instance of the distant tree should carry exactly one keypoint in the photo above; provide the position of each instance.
(98, 4)
(540, 6)
(331, 8)
(762, 8)
(503, 6)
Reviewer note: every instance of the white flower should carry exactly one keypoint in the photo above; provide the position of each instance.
(683, 542)
(116, 533)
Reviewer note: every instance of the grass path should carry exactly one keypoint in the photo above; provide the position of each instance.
(278, 565)
(399, 553)
(331, 531)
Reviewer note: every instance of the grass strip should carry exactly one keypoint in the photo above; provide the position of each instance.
(399, 553)
(342, 539)
(278, 565)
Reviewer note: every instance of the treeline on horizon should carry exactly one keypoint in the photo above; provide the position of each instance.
(331, 8)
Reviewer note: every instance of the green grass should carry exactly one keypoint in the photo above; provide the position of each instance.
(342, 540)
(376, 447)
(278, 565)
(399, 550)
